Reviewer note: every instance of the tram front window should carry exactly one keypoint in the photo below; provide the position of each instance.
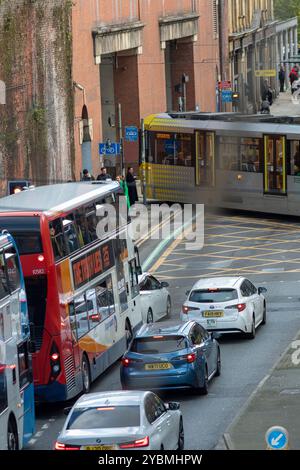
(171, 149)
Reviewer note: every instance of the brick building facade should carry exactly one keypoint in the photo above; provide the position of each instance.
(36, 117)
(133, 53)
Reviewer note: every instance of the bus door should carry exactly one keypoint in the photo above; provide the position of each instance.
(205, 159)
(274, 165)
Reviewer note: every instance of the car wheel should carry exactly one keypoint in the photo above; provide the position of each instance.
(252, 333)
(12, 436)
(128, 333)
(149, 316)
(218, 370)
(181, 436)
(86, 376)
(264, 320)
(169, 307)
(204, 389)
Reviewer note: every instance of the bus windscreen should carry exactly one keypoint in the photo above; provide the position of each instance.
(26, 232)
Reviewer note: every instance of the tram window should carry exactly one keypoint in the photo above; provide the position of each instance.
(13, 268)
(57, 239)
(171, 149)
(295, 157)
(240, 154)
(4, 291)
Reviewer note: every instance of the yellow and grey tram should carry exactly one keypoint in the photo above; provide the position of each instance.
(226, 160)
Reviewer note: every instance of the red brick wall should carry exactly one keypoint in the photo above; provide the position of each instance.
(36, 124)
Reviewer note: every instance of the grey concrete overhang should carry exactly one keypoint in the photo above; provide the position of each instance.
(178, 27)
(111, 38)
(286, 24)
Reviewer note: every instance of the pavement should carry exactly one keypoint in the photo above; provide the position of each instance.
(285, 106)
(275, 402)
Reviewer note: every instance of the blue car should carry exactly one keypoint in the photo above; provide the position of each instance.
(171, 355)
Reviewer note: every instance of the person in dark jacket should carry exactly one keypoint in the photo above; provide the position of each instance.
(281, 76)
(103, 176)
(132, 191)
(86, 176)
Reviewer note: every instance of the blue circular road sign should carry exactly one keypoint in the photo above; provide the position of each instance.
(277, 438)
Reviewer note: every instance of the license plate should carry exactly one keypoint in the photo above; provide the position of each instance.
(216, 314)
(99, 447)
(211, 322)
(158, 366)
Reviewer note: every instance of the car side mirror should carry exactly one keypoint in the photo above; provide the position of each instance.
(173, 405)
(187, 292)
(164, 284)
(262, 290)
(67, 410)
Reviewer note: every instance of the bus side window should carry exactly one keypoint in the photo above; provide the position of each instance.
(90, 214)
(82, 321)
(134, 283)
(23, 361)
(82, 227)
(3, 389)
(70, 233)
(4, 291)
(13, 268)
(57, 239)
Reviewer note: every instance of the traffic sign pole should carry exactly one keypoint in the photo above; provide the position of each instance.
(121, 138)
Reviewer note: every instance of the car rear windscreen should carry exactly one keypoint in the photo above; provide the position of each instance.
(213, 295)
(105, 417)
(163, 344)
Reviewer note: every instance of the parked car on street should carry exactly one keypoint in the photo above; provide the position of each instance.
(155, 298)
(171, 355)
(226, 305)
(121, 420)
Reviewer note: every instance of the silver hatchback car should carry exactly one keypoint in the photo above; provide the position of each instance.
(122, 420)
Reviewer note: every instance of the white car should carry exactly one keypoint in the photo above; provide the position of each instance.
(155, 298)
(122, 420)
(226, 305)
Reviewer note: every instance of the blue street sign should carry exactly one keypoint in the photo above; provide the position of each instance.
(277, 438)
(131, 134)
(110, 148)
(227, 96)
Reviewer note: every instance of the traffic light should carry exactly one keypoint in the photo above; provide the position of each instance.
(235, 97)
(14, 187)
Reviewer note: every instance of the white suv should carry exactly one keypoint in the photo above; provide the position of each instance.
(226, 305)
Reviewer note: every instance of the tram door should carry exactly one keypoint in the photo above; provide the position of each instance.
(205, 159)
(274, 165)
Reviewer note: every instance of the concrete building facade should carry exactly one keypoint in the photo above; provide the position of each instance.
(132, 58)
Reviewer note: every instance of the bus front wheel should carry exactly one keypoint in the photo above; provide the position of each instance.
(12, 435)
(86, 376)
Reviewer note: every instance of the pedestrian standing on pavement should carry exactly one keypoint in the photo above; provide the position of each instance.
(122, 182)
(103, 176)
(293, 76)
(86, 176)
(132, 191)
(281, 77)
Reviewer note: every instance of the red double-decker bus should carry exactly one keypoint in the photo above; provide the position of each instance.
(82, 291)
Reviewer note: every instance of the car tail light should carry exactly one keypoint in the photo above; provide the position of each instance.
(185, 309)
(125, 361)
(187, 357)
(138, 443)
(239, 307)
(60, 446)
